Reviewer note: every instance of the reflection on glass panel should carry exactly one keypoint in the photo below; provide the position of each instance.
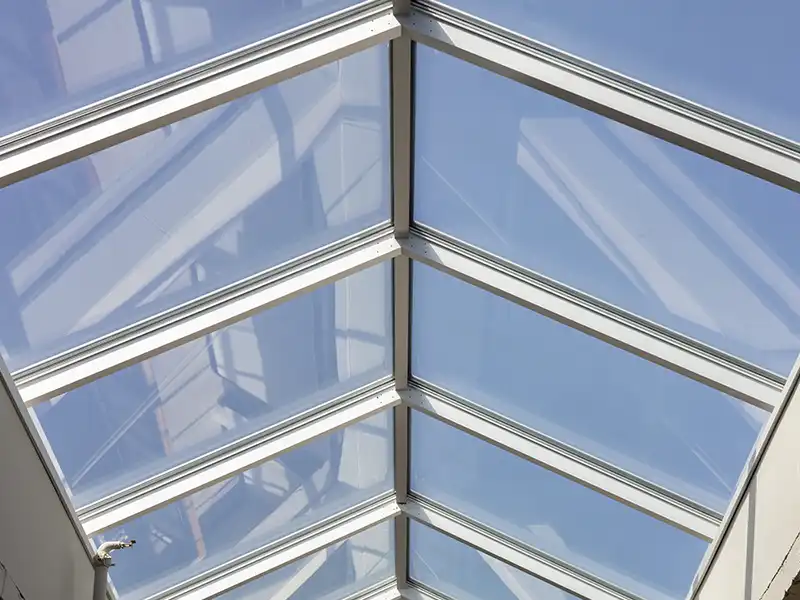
(579, 390)
(243, 513)
(333, 573)
(553, 514)
(200, 396)
(459, 571)
(730, 55)
(58, 55)
(670, 235)
(144, 226)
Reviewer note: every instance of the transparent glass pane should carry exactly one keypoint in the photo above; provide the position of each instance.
(692, 244)
(330, 574)
(551, 513)
(62, 54)
(461, 572)
(144, 226)
(730, 55)
(579, 390)
(200, 396)
(245, 512)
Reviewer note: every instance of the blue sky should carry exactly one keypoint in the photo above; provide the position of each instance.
(673, 237)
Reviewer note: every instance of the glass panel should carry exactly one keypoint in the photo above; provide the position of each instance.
(144, 226)
(562, 518)
(245, 512)
(579, 390)
(461, 572)
(336, 572)
(200, 396)
(58, 55)
(730, 55)
(675, 237)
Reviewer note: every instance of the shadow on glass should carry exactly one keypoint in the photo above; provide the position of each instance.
(694, 245)
(241, 514)
(58, 55)
(198, 397)
(154, 222)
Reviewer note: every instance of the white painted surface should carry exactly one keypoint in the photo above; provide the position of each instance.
(38, 542)
(759, 556)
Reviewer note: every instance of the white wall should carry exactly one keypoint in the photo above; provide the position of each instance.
(39, 545)
(760, 554)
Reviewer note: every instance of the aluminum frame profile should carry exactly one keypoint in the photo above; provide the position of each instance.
(284, 551)
(600, 90)
(510, 551)
(419, 591)
(594, 317)
(204, 315)
(385, 590)
(562, 460)
(236, 457)
(220, 80)
(193, 90)
(402, 96)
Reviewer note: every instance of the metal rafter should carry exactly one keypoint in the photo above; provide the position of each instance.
(417, 591)
(236, 457)
(206, 314)
(602, 91)
(381, 591)
(195, 89)
(565, 461)
(286, 55)
(402, 132)
(284, 551)
(513, 552)
(597, 318)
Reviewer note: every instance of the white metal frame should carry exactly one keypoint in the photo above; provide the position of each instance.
(275, 555)
(414, 591)
(402, 151)
(508, 550)
(235, 458)
(384, 591)
(586, 470)
(286, 55)
(660, 114)
(195, 89)
(209, 313)
(594, 317)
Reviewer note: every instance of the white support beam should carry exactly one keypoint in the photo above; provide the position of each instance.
(666, 348)
(402, 133)
(282, 552)
(612, 95)
(418, 592)
(564, 461)
(757, 553)
(235, 458)
(381, 591)
(402, 153)
(204, 315)
(392, 593)
(195, 89)
(509, 551)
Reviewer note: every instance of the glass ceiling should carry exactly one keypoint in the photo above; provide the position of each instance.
(209, 311)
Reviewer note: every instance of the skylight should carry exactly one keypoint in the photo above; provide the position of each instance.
(358, 300)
